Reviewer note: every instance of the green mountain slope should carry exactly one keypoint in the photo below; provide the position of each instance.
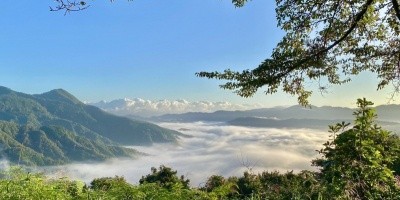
(51, 145)
(55, 127)
(63, 105)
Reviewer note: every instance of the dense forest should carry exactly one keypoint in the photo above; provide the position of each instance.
(56, 128)
(359, 162)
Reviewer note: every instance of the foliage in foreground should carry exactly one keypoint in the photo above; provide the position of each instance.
(327, 42)
(19, 184)
(359, 163)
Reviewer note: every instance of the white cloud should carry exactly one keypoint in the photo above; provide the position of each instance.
(146, 108)
(214, 149)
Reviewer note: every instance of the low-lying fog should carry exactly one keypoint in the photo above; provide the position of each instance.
(214, 149)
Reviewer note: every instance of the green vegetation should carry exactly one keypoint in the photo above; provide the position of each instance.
(357, 163)
(56, 128)
(360, 162)
(16, 183)
(165, 177)
(52, 145)
(325, 41)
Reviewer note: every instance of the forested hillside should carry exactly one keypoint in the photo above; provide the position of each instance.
(56, 128)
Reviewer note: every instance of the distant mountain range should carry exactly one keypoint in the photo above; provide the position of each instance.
(289, 117)
(55, 128)
(321, 124)
(141, 108)
(385, 113)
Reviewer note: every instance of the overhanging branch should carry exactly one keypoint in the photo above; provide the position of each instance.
(358, 17)
(396, 8)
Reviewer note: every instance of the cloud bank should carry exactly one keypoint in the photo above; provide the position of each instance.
(215, 149)
(147, 108)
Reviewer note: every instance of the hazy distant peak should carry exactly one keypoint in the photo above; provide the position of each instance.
(388, 106)
(146, 108)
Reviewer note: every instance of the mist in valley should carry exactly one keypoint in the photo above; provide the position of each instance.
(213, 149)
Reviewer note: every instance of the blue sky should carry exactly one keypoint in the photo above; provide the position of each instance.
(147, 49)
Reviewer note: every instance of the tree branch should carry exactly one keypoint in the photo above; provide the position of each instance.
(396, 8)
(69, 6)
(358, 17)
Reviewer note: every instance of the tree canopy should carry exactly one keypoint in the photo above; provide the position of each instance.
(325, 40)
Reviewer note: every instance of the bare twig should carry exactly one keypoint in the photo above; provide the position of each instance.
(69, 6)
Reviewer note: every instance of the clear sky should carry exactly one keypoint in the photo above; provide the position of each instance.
(147, 49)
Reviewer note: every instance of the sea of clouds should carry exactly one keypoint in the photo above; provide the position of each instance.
(214, 149)
(148, 108)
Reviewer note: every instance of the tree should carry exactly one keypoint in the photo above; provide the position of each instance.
(112, 188)
(356, 164)
(165, 177)
(213, 182)
(107, 183)
(326, 40)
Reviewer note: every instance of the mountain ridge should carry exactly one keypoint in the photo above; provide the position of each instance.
(41, 116)
(384, 112)
(321, 124)
(149, 108)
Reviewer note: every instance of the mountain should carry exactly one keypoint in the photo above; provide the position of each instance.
(146, 108)
(321, 124)
(285, 123)
(290, 117)
(52, 145)
(388, 113)
(296, 112)
(59, 121)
